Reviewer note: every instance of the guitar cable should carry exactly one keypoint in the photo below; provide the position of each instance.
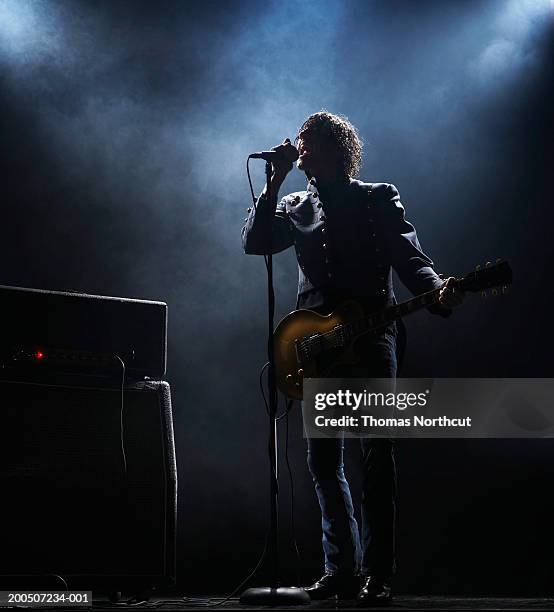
(285, 415)
(291, 480)
(262, 557)
(121, 430)
(250, 575)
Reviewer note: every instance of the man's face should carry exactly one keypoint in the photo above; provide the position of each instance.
(318, 156)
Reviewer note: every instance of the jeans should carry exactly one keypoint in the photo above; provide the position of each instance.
(345, 552)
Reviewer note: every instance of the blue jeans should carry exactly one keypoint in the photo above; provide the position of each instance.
(345, 552)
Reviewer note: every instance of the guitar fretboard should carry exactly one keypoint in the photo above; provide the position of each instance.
(390, 314)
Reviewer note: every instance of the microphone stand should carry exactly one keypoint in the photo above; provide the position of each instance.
(273, 595)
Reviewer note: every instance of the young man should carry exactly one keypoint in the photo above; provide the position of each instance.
(348, 236)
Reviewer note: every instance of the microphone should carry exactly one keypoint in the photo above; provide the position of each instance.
(289, 153)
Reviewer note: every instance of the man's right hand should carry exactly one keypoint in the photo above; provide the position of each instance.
(283, 164)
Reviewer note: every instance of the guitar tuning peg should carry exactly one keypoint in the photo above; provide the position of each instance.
(483, 294)
(499, 260)
(488, 264)
(477, 268)
(494, 292)
(505, 289)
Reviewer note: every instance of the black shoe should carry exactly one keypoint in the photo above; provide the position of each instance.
(374, 592)
(329, 585)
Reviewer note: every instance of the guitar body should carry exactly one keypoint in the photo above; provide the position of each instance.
(290, 367)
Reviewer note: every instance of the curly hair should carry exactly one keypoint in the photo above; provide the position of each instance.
(342, 133)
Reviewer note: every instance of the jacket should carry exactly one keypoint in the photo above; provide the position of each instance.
(347, 242)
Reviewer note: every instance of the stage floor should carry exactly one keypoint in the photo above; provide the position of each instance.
(400, 602)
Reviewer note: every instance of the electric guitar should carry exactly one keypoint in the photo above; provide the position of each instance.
(310, 345)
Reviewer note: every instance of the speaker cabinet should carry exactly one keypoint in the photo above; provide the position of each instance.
(88, 484)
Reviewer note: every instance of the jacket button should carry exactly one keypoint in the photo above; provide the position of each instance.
(323, 230)
(297, 199)
(370, 220)
(319, 204)
(329, 275)
(374, 235)
(322, 217)
(315, 194)
(324, 245)
(377, 249)
(249, 210)
(245, 219)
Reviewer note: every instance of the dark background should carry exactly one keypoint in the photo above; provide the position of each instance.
(125, 127)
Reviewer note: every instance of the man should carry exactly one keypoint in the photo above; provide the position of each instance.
(348, 235)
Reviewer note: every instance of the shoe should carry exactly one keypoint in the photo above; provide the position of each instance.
(374, 592)
(329, 585)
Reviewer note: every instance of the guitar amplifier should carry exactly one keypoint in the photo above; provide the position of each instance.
(89, 485)
(76, 331)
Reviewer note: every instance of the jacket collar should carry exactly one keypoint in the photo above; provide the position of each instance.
(313, 185)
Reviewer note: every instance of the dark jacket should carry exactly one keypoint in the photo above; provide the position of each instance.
(347, 241)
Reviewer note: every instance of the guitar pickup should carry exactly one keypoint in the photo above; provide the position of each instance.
(316, 343)
(341, 335)
(309, 347)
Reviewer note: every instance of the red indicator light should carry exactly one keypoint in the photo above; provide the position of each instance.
(39, 354)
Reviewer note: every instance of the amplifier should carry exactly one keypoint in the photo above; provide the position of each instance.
(80, 331)
(89, 485)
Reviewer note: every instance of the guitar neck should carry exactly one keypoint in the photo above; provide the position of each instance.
(424, 300)
(492, 276)
(392, 313)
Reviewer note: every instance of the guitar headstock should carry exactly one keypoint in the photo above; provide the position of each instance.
(490, 276)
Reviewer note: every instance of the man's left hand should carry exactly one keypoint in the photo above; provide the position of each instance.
(449, 296)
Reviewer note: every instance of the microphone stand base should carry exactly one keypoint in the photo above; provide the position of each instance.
(275, 596)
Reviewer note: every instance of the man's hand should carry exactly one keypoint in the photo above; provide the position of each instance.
(449, 296)
(283, 165)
